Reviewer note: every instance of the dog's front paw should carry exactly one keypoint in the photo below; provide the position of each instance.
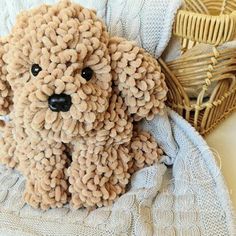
(39, 195)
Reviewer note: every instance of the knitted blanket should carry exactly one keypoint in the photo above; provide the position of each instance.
(188, 197)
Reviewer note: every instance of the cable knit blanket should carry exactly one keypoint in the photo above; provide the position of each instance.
(188, 197)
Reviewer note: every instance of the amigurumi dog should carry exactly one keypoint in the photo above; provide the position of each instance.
(73, 95)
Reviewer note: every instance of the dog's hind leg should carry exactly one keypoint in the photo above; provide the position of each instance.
(8, 154)
(144, 151)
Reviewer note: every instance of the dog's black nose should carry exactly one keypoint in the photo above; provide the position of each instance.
(60, 102)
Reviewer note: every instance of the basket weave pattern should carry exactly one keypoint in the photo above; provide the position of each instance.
(212, 74)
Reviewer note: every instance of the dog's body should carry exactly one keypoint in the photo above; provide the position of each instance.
(71, 118)
(97, 172)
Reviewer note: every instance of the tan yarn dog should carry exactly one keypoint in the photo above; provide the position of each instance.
(73, 94)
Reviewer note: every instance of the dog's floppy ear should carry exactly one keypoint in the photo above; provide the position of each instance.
(5, 89)
(138, 78)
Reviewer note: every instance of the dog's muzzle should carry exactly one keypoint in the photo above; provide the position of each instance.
(59, 102)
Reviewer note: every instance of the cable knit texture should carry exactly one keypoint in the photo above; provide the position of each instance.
(148, 22)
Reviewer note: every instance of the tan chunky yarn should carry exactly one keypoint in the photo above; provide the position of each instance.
(84, 155)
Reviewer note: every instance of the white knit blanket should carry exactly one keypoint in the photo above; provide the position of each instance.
(188, 199)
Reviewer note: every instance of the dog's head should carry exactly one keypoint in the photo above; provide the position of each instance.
(59, 67)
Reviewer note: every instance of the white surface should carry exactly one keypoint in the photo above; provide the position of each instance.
(223, 140)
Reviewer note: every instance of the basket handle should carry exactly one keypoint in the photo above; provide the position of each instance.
(202, 28)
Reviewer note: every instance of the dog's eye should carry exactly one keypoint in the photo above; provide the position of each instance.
(87, 73)
(35, 69)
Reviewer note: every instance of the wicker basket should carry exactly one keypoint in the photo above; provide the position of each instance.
(211, 22)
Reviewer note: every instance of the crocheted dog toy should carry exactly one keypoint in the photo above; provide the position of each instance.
(73, 94)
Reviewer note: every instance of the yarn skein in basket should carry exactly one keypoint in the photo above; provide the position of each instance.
(205, 67)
